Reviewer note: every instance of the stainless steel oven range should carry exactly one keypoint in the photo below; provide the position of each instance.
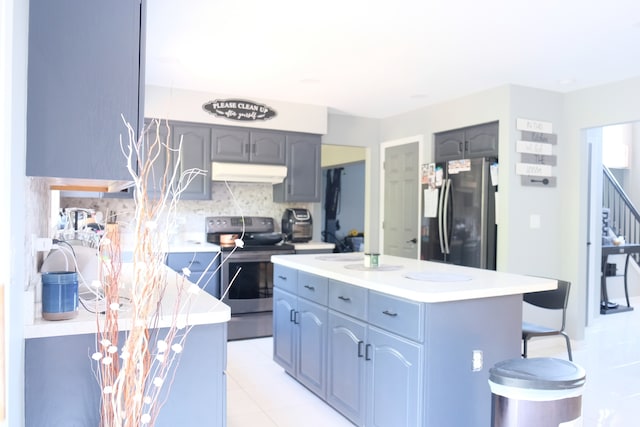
(246, 280)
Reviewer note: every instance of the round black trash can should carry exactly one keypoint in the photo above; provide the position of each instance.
(536, 392)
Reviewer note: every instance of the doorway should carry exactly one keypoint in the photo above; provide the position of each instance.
(603, 142)
(344, 173)
(400, 201)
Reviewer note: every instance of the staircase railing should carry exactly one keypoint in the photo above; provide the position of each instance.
(624, 218)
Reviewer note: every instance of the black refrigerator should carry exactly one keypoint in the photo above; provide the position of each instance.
(459, 217)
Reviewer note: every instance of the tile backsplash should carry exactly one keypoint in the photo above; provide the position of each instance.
(37, 222)
(234, 198)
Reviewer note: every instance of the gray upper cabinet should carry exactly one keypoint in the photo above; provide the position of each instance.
(483, 140)
(467, 143)
(230, 145)
(449, 145)
(248, 146)
(154, 138)
(85, 70)
(195, 154)
(304, 176)
(268, 147)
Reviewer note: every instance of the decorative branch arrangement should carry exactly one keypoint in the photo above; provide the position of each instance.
(135, 366)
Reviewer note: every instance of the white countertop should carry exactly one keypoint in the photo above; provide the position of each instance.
(186, 242)
(193, 246)
(202, 309)
(440, 282)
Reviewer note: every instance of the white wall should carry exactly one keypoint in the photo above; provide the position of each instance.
(186, 105)
(594, 107)
(359, 132)
(13, 51)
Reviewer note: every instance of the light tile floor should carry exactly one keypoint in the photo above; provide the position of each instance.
(260, 394)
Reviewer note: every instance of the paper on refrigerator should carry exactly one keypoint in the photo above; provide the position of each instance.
(430, 198)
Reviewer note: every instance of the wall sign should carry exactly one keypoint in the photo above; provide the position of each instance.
(536, 153)
(239, 109)
(534, 126)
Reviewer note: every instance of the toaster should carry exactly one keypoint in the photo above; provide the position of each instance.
(297, 225)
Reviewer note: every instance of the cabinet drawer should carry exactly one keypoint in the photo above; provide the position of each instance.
(397, 315)
(196, 262)
(312, 287)
(348, 299)
(285, 278)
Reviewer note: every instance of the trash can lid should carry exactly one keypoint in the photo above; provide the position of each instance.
(543, 373)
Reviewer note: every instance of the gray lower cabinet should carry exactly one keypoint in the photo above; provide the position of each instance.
(394, 380)
(312, 345)
(304, 176)
(86, 69)
(300, 338)
(285, 305)
(395, 362)
(203, 267)
(60, 386)
(346, 370)
(374, 377)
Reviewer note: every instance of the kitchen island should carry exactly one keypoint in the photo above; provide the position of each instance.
(61, 388)
(407, 343)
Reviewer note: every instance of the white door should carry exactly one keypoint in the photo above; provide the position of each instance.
(401, 205)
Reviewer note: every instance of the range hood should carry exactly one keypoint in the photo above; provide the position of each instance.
(247, 172)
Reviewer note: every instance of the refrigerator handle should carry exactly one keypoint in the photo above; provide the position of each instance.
(443, 190)
(445, 214)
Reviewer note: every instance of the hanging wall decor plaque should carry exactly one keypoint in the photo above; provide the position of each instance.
(239, 109)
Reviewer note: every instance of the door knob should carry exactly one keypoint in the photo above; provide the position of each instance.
(414, 240)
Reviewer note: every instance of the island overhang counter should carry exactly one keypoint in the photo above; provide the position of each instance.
(409, 343)
(61, 387)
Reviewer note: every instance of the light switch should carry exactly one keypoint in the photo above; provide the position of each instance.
(534, 221)
(476, 360)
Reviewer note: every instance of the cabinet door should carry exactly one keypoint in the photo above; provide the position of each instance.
(202, 266)
(208, 281)
(284, 328)
(346, 380)
(268, 147)
(156, 136)
(195, 153)
(83, 74)
(229, 145)
(394, 374)
(312, 339)
(482, 140)
(303, 181)
(449, 145)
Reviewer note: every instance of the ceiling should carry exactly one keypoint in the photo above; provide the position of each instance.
(376, 59)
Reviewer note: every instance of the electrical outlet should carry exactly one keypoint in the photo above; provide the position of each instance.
(476, 360)
(42, 244)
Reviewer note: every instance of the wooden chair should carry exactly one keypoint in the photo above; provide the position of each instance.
(554, 300)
